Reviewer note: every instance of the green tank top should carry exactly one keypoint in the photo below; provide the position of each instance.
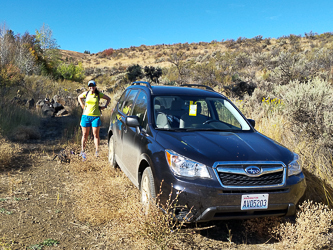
(91, 107)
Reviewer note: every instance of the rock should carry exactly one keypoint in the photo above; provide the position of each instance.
(59, 99)
(68, 109)
(57, 107)
(30, 103)
(62, 112)
(48, 110)
(17, 100)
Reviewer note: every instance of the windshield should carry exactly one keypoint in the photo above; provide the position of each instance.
(199, 113)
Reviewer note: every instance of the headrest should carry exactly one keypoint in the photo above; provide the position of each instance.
(176, 105)
(198, 108)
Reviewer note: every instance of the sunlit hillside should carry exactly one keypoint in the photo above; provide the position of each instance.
(158, 55)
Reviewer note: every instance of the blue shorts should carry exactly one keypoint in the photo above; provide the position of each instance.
(90, 121)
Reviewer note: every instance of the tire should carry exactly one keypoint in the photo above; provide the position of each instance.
(147, 188)
(111, 157)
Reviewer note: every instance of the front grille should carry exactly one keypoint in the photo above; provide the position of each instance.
(255, 191)
(230, 179)
(235, 175)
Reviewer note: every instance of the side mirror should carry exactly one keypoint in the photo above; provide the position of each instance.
(252, 122)
(133, 121)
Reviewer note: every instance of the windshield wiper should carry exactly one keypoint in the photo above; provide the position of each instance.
(215, 129)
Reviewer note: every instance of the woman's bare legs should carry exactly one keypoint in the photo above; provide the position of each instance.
(96, 138)
(85, 134)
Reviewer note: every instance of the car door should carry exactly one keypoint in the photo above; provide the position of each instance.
(124, 110)
(117, 126)
(133, 140)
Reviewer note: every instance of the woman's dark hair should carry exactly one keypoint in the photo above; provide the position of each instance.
(96, 92)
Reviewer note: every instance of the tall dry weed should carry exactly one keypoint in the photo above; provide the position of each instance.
(311, 230)
(13, 116)
(8, 152)
(275, 121)
(105, 196)
(160, 226)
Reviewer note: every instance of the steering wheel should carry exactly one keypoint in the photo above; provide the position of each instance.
(214, 120)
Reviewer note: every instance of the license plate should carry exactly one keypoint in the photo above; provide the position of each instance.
(254, 201)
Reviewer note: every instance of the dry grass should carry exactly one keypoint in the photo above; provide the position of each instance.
(24, 133)
(6, 244)
(8, 152)
(105, 196)
(13, 116)
(311, 230)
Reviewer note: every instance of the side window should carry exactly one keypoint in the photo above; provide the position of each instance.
(225, 115)
(122, 99)
(127, 106)
(140, 109)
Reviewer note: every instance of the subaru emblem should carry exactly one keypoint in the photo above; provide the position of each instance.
(252, 170)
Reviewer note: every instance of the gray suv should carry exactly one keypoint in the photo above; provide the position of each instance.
(198, 144)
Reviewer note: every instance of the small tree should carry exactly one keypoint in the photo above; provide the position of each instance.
(49, 49)
(71, 72)
(134, 72)
(152, 73)
(107, 52)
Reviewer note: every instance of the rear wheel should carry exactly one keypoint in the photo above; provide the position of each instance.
(147, 187)
(111, 157)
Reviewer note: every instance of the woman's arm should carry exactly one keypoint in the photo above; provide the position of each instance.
(80, 99)
(108, 99)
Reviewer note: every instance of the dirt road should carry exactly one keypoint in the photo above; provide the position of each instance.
(36, 198)
(38, 206)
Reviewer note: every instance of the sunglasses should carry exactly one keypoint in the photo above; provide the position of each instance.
(91, 85)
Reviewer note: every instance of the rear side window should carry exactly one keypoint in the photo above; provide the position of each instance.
(140, 109)
(122, 99)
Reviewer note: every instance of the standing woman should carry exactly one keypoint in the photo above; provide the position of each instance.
(91, 115)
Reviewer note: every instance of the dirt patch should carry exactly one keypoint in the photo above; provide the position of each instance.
(36, 198)
(37, 204)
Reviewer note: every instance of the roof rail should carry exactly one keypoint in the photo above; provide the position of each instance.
(142, 82)
(197, 85)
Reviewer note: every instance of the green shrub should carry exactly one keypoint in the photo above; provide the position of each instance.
(308, 106)
(134, 72)
(71, 72)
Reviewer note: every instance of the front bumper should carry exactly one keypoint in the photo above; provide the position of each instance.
(234, 212)
(207, 203)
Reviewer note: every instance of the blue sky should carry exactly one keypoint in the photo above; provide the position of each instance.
(98, 25)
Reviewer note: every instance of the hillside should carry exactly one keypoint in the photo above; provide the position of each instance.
(221, 65)
(157, 55)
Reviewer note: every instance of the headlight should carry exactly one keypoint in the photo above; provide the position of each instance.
(183, 166)
(294, 167)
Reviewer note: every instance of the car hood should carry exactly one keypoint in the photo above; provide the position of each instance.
(209, 147)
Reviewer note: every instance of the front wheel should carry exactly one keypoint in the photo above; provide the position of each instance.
(111, 157)
(147, 187)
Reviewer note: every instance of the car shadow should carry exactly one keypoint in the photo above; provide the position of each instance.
(235, 231)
